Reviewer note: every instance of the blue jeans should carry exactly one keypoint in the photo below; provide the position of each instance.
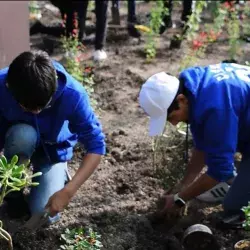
(22, 140)
(239, 192)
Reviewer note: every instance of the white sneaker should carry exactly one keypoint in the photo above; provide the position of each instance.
(99, 55)
(215, 194)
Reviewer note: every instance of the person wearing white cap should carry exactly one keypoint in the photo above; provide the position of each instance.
(215, 101)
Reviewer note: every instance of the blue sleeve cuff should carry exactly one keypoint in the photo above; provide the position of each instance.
(220, 176)
(98, 151)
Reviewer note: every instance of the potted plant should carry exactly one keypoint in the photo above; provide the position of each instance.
(175, 42)
(245, 243)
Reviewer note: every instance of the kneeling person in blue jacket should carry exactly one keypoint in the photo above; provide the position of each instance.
(215, 101)
(44, 112)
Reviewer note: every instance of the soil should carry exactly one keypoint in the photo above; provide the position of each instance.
(119, 200)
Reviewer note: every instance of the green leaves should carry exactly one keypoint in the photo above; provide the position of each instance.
(154, 26)
(81, 239)
(14, 177)
(246, 210)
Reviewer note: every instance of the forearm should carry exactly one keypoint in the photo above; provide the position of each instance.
(194, 167)
(88, 166)
(201, 185)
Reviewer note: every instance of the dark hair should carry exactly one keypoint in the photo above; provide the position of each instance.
(181, 90)
(32, 79)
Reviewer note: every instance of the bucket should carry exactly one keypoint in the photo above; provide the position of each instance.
(199, 237)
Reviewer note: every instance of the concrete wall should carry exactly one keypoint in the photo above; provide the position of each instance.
(14, 30)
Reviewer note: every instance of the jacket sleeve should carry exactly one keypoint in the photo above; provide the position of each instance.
(220, 133)
(85, 124)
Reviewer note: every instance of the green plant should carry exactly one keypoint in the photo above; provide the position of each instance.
(35, 12)
(13, 178)
(73, 49)
(33, 7)
(246, 211)
(233, 30)
(199, 41)
(194, 20)
(245, 23)
(80, 239)
(154, 27)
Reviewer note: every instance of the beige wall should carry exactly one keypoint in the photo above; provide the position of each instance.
(14, 30)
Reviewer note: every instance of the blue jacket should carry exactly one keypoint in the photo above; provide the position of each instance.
(219, 114)
(69, 118)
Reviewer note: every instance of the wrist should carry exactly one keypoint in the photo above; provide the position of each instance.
(179, 201)
(70, 190)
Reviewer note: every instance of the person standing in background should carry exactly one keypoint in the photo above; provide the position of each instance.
(167, 18)
(131, 19)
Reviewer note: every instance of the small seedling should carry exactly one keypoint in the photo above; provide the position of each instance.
(246, 211)
(80, 239)
(13, 178)
(73, 48)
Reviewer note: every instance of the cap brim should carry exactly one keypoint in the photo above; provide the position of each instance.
(157, 125)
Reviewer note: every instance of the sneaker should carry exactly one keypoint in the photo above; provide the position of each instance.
(215, 194)
(133, 32)
(231, 222)
(99, 55)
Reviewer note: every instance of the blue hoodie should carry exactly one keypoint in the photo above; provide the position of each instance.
(69, 118)
(219, 101)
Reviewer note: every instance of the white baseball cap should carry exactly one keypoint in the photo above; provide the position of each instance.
(156, 96)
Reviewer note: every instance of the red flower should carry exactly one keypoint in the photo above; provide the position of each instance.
(212, 35)
(197, 44)
(88, 70)
(203, 35)
(78, 59)
(75, 23)
(81, 47)
(74, 31)
(228, 5)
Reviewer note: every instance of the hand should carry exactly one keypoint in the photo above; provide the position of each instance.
(57, 202)
(168, 203)
(175, 189)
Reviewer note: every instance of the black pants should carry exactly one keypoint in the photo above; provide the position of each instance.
(131, 9)
(101, 11)
(187, 8)
(80, 7)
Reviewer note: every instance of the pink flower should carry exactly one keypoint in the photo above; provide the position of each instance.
(197, 44)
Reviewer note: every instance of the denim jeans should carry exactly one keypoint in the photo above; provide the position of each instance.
(239, 192)
(22, 140)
